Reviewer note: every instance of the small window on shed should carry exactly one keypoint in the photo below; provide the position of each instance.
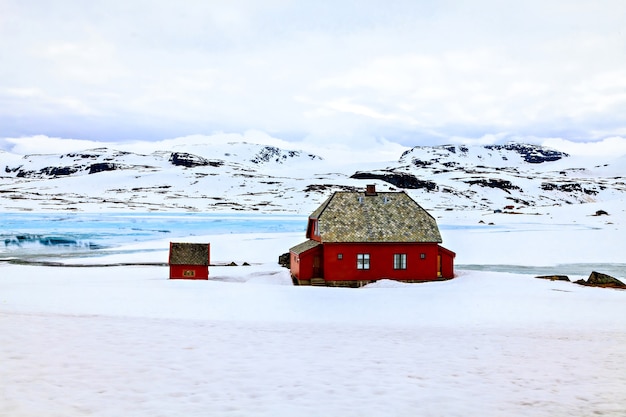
(340, 256)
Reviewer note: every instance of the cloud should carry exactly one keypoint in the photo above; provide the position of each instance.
(42, 144)
(336, 152)
(407, 71)
(608, 147)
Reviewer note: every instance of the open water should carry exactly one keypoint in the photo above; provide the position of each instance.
(75, 234)
(577, 270)
(28, 236)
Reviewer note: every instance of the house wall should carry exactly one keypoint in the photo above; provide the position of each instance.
(189, 272)
(447, 263)
(302, 265)
(295, 264)
(381, 261)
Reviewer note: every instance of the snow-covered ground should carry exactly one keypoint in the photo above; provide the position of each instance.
(125, 340)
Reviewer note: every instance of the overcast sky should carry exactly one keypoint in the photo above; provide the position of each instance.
(355, 72)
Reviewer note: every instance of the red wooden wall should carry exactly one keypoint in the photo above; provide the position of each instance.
(447, 262)
(421, 261)
(302, 265)
(189, 272)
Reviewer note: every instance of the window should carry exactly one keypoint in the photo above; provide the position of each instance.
(363, 261)
(399, 261)
(313, 228)
(340, 256)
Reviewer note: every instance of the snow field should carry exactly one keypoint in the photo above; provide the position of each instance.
(110, 366)
(125, 340)
(109, 341)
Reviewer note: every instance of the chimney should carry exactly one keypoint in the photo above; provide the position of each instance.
(370, 190)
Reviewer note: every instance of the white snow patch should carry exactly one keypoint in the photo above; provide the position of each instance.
(110, 341)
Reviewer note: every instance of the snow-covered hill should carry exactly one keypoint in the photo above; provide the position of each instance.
(235, 176)
(496, 176)
(199, 176)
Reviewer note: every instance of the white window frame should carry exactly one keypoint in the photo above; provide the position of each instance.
(363, 261)
(399, 261)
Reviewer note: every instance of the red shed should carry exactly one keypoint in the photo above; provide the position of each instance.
(356, 238)
(189, 260)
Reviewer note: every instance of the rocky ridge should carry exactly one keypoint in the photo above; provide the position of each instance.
(248, 177)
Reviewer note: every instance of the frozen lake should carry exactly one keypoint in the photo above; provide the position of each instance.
(80, 234)
(569, 269)
(46, 237)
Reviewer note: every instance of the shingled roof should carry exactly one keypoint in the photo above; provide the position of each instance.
(189, 254)
(304, 246)
(382, 217)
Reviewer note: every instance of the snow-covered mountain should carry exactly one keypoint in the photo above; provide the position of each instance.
(484, 177)
(253, 177)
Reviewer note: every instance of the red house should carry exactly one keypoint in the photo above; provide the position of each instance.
(189, 260)
(355, 238)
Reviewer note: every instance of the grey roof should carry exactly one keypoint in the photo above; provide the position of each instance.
(189, 254)
(384, 217)
(304, 246)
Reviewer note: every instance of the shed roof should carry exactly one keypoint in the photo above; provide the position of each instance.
(383, 217)
(189, 253)
(304, 246)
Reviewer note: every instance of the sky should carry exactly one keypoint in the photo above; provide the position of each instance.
(356, 73)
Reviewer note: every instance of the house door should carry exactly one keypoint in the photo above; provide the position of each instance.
(439, 266)
(317, 266)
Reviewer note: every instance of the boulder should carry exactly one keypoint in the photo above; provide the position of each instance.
(554, 277)
(597, 279)
(603, 280)
(284, 260)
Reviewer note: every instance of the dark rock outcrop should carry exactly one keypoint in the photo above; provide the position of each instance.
(284, 260)
(83, 155)
(598, 279)
(102, 167)
(54, 172)
(532, 154)
(9, 170)
(504, 185)
(554, 277)
(272, 153)
(398, 179)
(323, 188)
(190, 160)
(567, 188)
